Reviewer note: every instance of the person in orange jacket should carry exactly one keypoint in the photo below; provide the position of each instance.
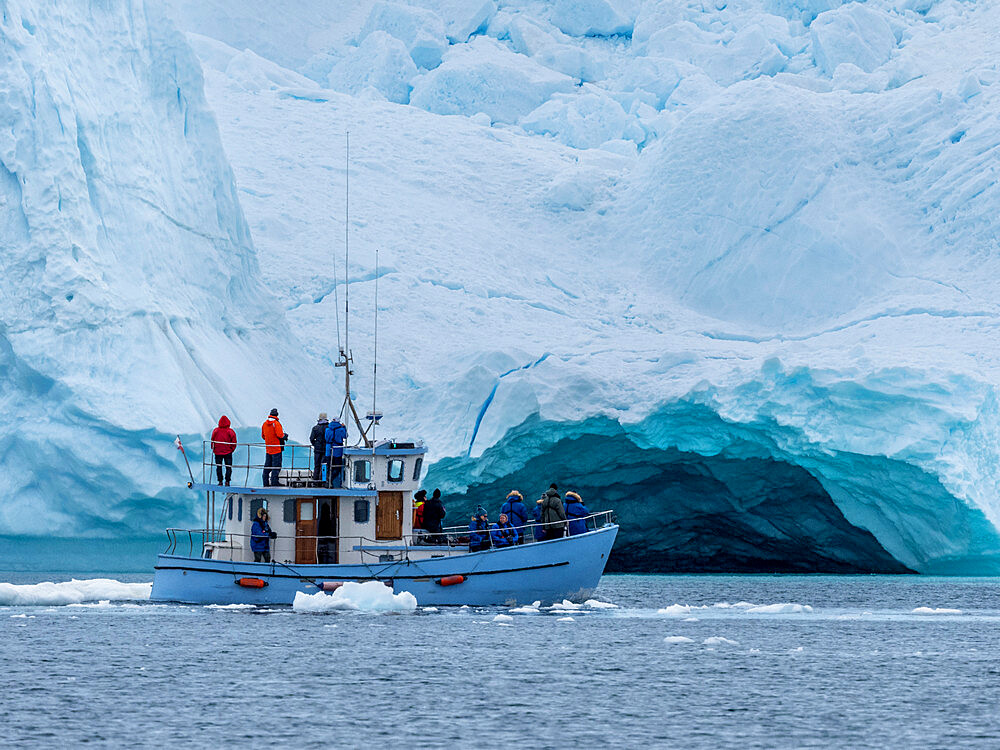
(274, 440)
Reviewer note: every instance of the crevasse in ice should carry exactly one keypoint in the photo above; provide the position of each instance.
(729, 268)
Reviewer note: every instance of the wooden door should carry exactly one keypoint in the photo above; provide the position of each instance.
(305, 531)
(389, 516)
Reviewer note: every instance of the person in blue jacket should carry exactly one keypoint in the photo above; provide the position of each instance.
(538, 529)
(336, 436)
(516, 512)
(479, 531)
(576, 511)
(503, 533)
(260, 537)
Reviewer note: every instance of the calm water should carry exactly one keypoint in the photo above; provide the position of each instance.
(861, 669)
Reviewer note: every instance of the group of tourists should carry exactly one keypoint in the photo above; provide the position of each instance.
(553, 518)
(427, 517)
(327, 439)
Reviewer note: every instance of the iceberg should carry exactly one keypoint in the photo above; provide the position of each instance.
(728, 270)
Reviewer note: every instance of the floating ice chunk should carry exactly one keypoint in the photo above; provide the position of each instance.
(595, 604)
(485, 76)
(230, 606)
(72, 592)
(674, 609)
(428, 609)
(593, 17)
(16, 617)
(779, 609)
(797, 650)
(566, 604)
(524, 611)
(718, 640)
(936, 611)
(565, 619)
(678, 639)
(503, 618)
(369, 596)
(690, 619)
(380, 62)
(102, 604)
(420, 31)
(853, 33)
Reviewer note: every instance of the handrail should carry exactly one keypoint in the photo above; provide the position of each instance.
(453, 537)
(295, 457)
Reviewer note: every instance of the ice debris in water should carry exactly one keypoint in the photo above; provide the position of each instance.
(779, 609)
(718, 640)
(565, 605)
(674, 609)
(230, 606)
(503, 618)
(565, 619)
(678, 639)
(524, 611)
(72, 592)
(937, 611)
(429, 609)
(595, 604)
(369, 596)
(748, 607)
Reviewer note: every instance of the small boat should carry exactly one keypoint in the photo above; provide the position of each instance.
(367, 529)
(374, 540)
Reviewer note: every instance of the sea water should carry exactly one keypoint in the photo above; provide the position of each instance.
(683, 661)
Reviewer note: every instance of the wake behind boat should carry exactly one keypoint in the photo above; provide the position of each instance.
(374, 540)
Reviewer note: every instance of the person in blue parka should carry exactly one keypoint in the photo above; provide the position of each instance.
(576, 511)
(503, 533)
(336, 436)
(260, 537)
(479, 531)
(516, 512)
(538, 529)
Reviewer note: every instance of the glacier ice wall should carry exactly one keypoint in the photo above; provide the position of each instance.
(132, 301)
(746, 239)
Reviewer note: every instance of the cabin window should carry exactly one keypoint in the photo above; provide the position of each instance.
(395, 470)
(289, 511)
(256, 504)
(239, 510)
(417, 466)
(361, 511)
(230, 507)
(362, 471)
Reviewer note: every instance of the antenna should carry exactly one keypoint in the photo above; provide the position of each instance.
(345, 360)
(375, 416)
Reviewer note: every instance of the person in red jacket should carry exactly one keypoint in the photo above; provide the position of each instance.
(274, 440)
(223, 445)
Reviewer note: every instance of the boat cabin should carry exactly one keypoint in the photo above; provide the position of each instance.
(369, 518)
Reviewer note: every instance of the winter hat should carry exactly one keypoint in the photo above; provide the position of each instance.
(437, 493)
(480, 511)
(274, 412)
(322, 415)
(553, 486)
(421, 494)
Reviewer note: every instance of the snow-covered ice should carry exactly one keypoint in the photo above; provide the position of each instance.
(678, 639)
(744, 231)
(368, 596)
(936, 611)
(718, 640)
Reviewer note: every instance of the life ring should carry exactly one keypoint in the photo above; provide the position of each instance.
(450, 580)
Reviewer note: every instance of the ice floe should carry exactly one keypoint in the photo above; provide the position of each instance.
(72, 592)
(718, 640)
(936, 611)
(369, 596)
(678, 639)
(595, 604)
(503, 618)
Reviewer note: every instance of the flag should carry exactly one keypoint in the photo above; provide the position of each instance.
(177, 442)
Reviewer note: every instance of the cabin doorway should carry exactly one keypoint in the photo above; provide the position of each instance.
(305, 531)
(389, 516)
(327, 548)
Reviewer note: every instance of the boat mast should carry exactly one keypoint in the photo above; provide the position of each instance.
(346, 360)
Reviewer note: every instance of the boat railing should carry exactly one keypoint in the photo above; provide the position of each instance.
(453, 540)
(248, 463)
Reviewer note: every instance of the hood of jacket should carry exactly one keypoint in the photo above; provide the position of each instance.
(224, 421)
